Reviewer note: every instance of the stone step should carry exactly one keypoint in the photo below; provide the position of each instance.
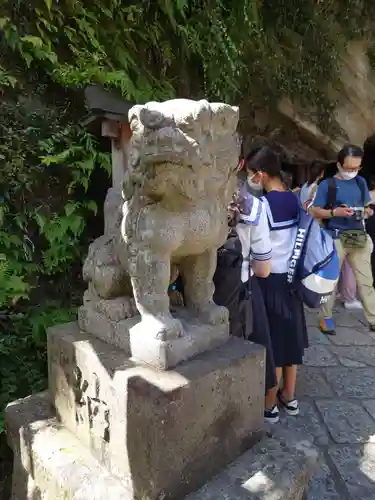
(51, 464)
(279, 467)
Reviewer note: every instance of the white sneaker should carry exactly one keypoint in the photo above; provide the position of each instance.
(355, 304)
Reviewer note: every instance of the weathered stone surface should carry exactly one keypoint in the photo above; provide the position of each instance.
(307, 423)
(180, 177)
(352, 383)
(312, 319)
(50, 463)
(350, 363)
(312, 384)
(322, 485)
(363, 355)
(350, 320)
(353, 120)
(316, 336)
(198, 337)
(350, 336)
(370, 407)
(356, 466)
(103, 327)
(164, 431)
(54, 465)
(347, 422)
(277, 468)
(319, 355)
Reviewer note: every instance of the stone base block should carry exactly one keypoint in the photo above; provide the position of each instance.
(51, 464)
(101, 326)
(163, 432)
(130, 335)
(198, 338)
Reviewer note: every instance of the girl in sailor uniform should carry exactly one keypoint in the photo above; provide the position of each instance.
(252, 229)
(284, 307)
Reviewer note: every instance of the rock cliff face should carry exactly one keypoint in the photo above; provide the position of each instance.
(353, 117)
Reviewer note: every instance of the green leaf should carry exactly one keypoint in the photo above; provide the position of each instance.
(36, 41)
(28, 58)
(57, 158)
(41, 220)
(92, 206)
(77, 225)
(4, 21)
(70, 208)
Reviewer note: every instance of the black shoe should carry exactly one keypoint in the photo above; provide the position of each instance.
(290, 407)
(272, 416)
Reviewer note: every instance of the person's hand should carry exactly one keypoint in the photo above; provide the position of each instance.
(343, 212)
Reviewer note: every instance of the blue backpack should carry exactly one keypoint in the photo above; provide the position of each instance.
(314, 266)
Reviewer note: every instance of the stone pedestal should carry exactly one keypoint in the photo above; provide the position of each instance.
(162, 433)
(50, 463)
(111, 429)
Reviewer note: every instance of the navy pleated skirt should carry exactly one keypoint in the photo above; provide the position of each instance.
(260, 333)
(286, 320)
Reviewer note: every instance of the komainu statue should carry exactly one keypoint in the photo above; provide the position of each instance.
(180, 176)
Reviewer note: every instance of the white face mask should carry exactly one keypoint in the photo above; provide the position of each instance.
(252, 184)
(347, 176)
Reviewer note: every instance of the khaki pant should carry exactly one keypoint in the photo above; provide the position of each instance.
(360, 260)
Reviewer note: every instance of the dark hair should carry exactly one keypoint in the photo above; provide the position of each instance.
(287, 179)
(316, 169)
(265, 160)
(349, 150)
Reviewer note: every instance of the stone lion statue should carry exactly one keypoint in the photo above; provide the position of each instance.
(181, 174)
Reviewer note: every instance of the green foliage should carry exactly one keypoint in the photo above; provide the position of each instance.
(46, 168)
(218, 48)
(23, 353)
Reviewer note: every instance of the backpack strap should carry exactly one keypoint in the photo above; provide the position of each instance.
(360, 182)
(331, 194)
(299, 243)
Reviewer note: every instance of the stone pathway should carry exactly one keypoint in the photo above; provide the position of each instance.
(336, 389)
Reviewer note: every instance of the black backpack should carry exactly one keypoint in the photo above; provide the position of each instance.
(230, 292)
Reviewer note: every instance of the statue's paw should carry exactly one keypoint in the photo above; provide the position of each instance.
(214, 315)
(168, 329)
